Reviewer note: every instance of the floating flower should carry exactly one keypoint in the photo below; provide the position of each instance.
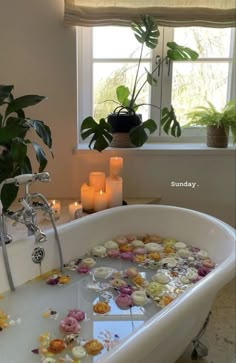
(78, 352)
(125, 248)
(203, 271)
(76, 314)
(155, 256)
(101, 307)
(126, 290)
(63, 279)
(69, 325)
(118, 283)
(165, 300)
(154, 288)
(138, 280)
(139, 258)
(70, 339)
(3, 320)
(56, 346)
(131, 272)
(83, 269)
(168, 249)
(113, 252)
(124, 301)
(93, 347)
(53, 280)
(127, 256)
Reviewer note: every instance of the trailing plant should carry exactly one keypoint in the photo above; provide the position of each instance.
(210, 116)
(14, 130)
(147, 33)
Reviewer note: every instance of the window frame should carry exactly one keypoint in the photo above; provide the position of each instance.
(85, 60)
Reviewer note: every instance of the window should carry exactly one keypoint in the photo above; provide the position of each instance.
(107, 57)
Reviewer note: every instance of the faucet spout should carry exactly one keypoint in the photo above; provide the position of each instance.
(40, 236)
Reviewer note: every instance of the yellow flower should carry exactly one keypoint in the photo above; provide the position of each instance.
(101, 307)
(93, 347)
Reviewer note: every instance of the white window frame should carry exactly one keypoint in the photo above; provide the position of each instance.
(85, 61)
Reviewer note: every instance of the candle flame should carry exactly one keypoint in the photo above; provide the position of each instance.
(76, 203)
(101, 192)
(54, 202)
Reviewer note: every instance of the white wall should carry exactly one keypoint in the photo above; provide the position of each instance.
(38, 55)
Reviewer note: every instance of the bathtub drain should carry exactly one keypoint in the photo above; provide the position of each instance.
(38, 255)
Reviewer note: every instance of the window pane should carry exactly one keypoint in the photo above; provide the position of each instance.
(116, 42)
(108, 76)
(208, 42)
(196, 83)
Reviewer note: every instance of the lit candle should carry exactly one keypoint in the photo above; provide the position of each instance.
(114, 189)
(97, 180)
(116, 165)
(87, 197)
(100, 201)
(73, 207)
(56, 208)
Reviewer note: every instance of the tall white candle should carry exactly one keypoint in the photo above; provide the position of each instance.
(97, 180)
(87, 197)
(116, 165)
(100, 201)
(114, 189)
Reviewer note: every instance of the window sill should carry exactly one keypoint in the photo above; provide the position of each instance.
(163, 149)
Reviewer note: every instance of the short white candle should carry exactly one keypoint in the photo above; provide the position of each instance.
(100, 201)
(97, 180)
(87, 197)
(116, 165)
(114, 189)
(56, 208)
(73, 207)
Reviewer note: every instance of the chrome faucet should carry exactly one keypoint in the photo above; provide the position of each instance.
(27, 216)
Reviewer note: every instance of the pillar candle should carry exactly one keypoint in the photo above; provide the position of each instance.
(73, 208)
(97, 180)
(87, 197)
(56, 208)
(116, 165)
(114, 189)
(100, 201)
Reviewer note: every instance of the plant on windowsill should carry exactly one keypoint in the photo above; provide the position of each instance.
(218, 123)
(124, 124)
(14, 141)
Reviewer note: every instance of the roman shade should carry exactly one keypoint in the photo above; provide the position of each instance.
(210, 13)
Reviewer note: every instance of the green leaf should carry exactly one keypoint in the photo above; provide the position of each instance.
(40, 156)
(8, 133)
(169, 122)
(122, 94)
(100, 132)
(179, 52)
(8, 195)
(150, 78)
(42, 130)
(139, 135)
(18, 150)
(1, 120)
(146, 32)
(22, 102)
(5, 92)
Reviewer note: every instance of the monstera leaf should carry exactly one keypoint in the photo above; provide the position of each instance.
(179, 52)
(170, 123)
(146, 32)
(139, 135)
(99, 131)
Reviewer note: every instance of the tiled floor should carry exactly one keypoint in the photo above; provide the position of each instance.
(220, 334)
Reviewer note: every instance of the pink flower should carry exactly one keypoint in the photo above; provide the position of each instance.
(69, 325)
(124, 301)
(82, 269)
(76, 314)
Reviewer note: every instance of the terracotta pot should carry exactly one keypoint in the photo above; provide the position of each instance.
(217, 137)
(121, 124)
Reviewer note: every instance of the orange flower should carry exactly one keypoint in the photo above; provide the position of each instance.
(63, 279)
(154, 256)
(166, 300)
(56, 346)
(93, 347)
(139, 258)
(125, 248)
(3, 319)
(101, 307)
(152, 238)
(168, 250)
(138, 280)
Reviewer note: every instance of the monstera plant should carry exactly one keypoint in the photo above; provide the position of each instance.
(15, 130)
(127, 103)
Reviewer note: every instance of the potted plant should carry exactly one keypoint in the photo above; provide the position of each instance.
(14, 139)
(125, 121)
(218, 123)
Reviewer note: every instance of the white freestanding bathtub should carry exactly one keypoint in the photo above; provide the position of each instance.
(164, 337)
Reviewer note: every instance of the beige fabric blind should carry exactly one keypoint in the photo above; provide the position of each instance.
(211, 13)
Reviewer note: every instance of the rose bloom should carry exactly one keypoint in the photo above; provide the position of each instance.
(93, 347)
(69, 325)
(77, 314)
(101, 307)
(56, 346)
